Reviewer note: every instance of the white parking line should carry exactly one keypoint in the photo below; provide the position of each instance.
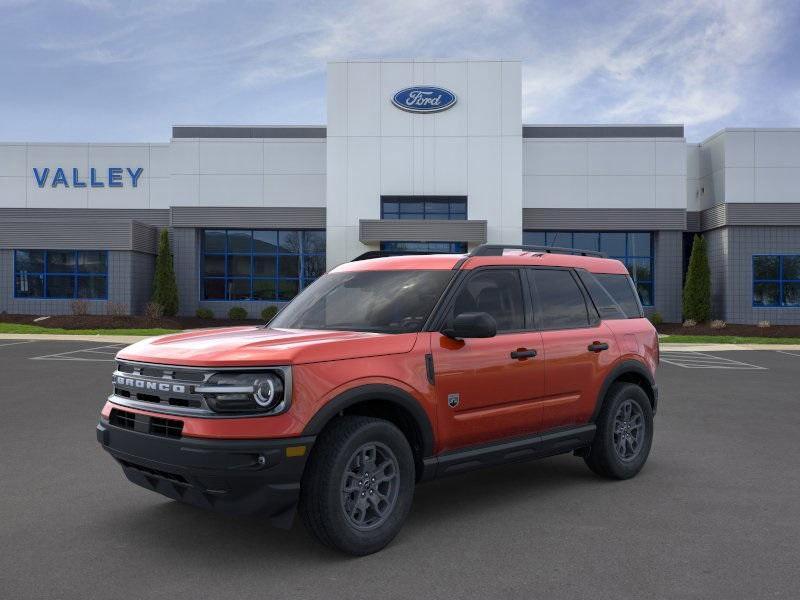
(70, 355)
(785, 352)
(17, 343)
(701, 360)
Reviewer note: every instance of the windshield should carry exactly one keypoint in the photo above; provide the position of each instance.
(378, 301)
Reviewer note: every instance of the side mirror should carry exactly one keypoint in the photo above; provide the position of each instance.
(472, 325)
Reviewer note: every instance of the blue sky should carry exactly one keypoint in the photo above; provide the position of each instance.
(105, 70)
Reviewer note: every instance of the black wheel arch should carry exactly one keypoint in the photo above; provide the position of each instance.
(384, 401)
(630, 371)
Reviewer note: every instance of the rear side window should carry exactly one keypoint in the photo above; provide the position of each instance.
(621, 289)
(606, 305)
(561, 302)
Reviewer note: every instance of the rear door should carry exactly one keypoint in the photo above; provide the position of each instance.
(578, 347)
(491, 387)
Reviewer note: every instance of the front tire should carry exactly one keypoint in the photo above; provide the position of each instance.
(357, 489)
(624, 433)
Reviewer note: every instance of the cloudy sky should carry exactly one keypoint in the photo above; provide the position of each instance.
(126, 70)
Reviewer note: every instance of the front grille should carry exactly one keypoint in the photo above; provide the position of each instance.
(170, 428)
(161, 385)
(122, 418)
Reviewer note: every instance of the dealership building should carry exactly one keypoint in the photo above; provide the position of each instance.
(427, 155)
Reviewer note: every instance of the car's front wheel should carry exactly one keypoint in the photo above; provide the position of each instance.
(358, 486)
(624, 433)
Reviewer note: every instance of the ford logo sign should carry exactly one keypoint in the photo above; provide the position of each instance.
(424, 99)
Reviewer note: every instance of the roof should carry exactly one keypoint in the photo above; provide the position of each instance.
(510, 258)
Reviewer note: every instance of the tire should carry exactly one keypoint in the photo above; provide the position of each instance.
(343, 507)
(624, 433)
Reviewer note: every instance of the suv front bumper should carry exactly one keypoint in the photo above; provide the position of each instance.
(239, 477)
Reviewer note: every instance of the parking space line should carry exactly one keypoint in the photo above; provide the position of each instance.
(70, 354)
(787, 353)
(702, 360)
(17, 343)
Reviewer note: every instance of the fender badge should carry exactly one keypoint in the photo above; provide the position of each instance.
(453, 400)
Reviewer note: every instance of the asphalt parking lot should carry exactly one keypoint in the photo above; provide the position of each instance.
(714, 514)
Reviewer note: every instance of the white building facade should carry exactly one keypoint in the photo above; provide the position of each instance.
(257, 213)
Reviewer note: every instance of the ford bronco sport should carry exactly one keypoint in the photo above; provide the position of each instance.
(388, 372)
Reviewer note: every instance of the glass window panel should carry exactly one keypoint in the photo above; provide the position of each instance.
(214, 289)
(288, 266)
(264, 289)
(288, 288)
(641, 269)
(238, 266)
(612, 243)
(639, 244)
(562, 302)
(409, 216)
(60, 286)
(214, 240)
(29, 260)
(265, 266)
(459, 206)
(765, 267)
(265, 242)
(240, 241)
(495, 292)
(560, 239)
(214, 265)
(459, 247)
(289, 241)
(791, 267)
(390, 207)
(238, 289)
(645, 293)
(92, 261)
(534, 238)
(791, 294)
(60, 261)
(437, 207)
(29, 286)
(412, 207)
(583, 240)
(313, 265)
(313, 242)
(91, 286)
(391, 216)
(765, 294)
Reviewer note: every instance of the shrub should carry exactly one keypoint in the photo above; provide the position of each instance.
(697, 290)
(690, 323)
(165, 288)
(79, 307)
(764, 324)
(269, 313)
(656, 319)
(116, 309)
(153, 311)
(204, 313)
(718, 324)
(237, 313)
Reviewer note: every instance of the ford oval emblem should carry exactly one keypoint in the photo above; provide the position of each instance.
(424, 99)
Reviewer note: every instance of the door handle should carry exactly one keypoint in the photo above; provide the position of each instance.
(597, 347)
(523, 353)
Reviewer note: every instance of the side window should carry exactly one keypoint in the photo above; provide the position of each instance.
(607, 307)
(561, 301)
(496, 292)
(621, 290)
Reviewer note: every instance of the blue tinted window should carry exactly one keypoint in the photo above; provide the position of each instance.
(66, 274)
(433, 247)
(776, 280)
(633, 248)
(260, 264)
(451, 208)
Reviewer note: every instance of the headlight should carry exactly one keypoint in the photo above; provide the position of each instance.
(245, 393)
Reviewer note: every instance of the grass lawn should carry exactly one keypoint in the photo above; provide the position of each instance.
(19, 328)
(725, 339)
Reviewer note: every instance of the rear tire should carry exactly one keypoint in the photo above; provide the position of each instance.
(624, 433)
(357, 489)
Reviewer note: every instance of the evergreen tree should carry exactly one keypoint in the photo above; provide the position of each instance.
(165, 288)
(697, 290)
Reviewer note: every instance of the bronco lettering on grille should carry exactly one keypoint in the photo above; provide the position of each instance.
(144, 384)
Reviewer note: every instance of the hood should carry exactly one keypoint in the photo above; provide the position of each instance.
(257, 346)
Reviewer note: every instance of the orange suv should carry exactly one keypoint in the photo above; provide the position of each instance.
(385, 373)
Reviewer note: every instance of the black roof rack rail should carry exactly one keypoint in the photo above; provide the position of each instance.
(497, 250)
(385, 253)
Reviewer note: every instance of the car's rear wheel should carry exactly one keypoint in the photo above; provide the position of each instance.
(624, 433)
(358, 486)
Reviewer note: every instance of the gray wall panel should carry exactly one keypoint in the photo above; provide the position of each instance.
(185, 252)
(257, 217)
(602, 131)
(200, 131)
(693, 221)
(151, 216)
(376, 230)
(668, 275)
(604, 219)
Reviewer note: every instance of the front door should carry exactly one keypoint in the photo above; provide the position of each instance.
(489, 388)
